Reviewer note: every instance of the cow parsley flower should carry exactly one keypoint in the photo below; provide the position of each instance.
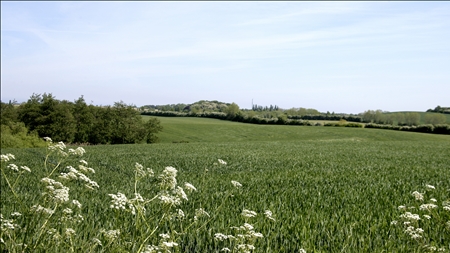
(180, 193)
(428, 206)
(96, 241)
(69, 232)
(417, 195)
(118, 201)
(7, 157)
(16, 214)
(248, 214)
(25, 168)
(76, 203)
(189, 187)
(236, 184)
(111, 234)
(222, 162)
(268, 215)
(164, 236)
(430, 187)
(13, 167)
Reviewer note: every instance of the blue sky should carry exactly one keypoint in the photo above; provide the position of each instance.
(331, 56)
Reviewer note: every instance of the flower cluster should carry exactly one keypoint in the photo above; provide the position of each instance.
(55, 190)
(165, 245)
(427, 215)
(74, 174)
(246, 234)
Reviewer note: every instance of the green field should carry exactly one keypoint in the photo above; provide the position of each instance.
(331, 189)
(178, 129)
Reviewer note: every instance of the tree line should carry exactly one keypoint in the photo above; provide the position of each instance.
(402, 119)
(75, 122)
(440, 109)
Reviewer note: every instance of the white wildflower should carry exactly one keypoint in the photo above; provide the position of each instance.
(96, 241)
(410, 216)
(76, 203)
(67, 211)
(180, 214)
(427, 216)
(417, 195)
(189, 187)
(200, 213)
(7, 157)
(245, 247)
(430, 187)
(111, 234)
(402, 207)
(69, 232)
(151, 249)
(119, 201)
(41, 209)
(84, 162)
(169, 244)
(226, 250)
(25, 168)
(47, 139)
(180, 193)
(248, 214)
(13, 167)
(169, 199)
(427, 206)
(433, 200)
(302, 251)
(415, 233)
(164, 236)
(220, 236)
(222, 162)
(394, 222)
(236, 184)
(16, 214)
(170, 171)
(168, 178)
(78, 151)
(268, 215)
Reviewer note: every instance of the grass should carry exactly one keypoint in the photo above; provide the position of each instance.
(178, 129)
(330, 189)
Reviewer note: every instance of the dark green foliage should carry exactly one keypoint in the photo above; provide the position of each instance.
(79, 123)
(435, 129)
(14, 134)
(440, 109)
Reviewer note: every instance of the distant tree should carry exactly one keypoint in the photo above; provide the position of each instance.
(412, 118)
(232, 110)
(435, 118)
(84, 119)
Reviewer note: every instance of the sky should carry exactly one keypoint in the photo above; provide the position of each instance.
(343, 57)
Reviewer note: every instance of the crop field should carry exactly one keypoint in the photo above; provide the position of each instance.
(329, 189)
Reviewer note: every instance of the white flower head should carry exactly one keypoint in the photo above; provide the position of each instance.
(428, 206)
(25, 168)
(236, 184)
(248, 214)
(13, 167)
(268, 215)
(7, 157)
(47, 139)
(164, 236)
(189, 187)
(222, 162)
(431, 187)
(417, 195)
